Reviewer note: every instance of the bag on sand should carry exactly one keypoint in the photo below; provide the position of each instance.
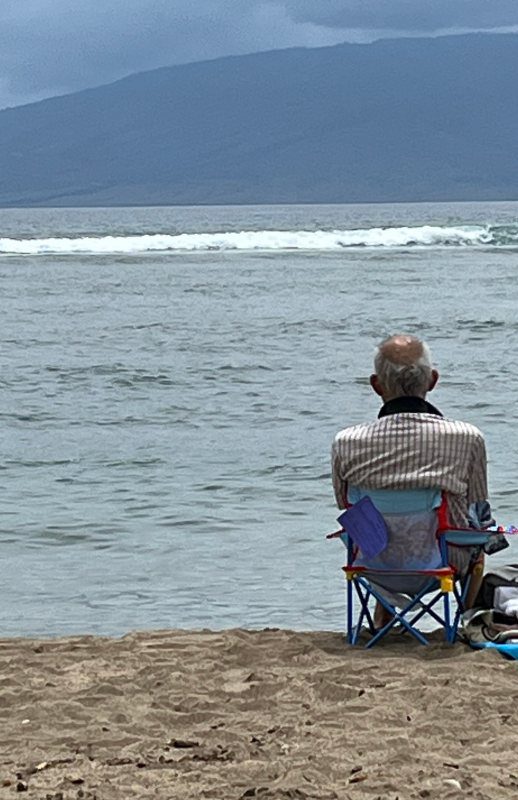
(499, 592)
(479, 626)
(493, 622)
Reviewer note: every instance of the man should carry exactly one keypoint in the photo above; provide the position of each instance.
(411, 445)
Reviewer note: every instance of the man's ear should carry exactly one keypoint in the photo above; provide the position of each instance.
(433, 380)
(376, 386)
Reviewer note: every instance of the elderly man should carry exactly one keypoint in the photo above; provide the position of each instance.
(411, 445)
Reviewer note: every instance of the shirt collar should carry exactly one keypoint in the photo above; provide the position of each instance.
(408, 405)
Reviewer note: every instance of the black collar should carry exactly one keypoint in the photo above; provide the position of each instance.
(408, 405)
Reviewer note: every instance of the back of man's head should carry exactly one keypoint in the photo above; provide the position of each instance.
(403, 368)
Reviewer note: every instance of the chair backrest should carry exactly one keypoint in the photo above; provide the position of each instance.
(411, 519)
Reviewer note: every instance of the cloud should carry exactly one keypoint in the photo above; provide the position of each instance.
(50, 47)
(408, 16)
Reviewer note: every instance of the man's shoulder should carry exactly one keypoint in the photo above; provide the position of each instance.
(445, 425)
(462, 428)
(360, 431)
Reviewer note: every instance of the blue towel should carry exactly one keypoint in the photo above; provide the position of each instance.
(509, 650)
(366, 527)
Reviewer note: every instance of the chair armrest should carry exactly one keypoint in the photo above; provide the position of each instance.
(342, 535)
(466, 537)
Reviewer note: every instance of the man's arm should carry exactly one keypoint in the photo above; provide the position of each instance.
(479, 510)
(339, 484)
(477, 474)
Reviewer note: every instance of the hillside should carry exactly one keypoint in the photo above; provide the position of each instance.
(407, 119)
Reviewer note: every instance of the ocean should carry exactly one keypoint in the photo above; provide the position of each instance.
(172, 379)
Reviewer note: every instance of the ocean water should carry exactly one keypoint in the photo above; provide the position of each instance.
(172, 379)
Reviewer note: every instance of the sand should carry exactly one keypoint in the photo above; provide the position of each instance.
(242, 714)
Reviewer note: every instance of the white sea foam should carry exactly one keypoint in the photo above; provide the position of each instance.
(319, 240)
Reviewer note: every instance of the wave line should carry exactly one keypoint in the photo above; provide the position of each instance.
(425, 236)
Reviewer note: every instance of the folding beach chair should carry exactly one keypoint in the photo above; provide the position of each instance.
(397, 553)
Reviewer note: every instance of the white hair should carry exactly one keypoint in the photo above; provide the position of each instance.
(404, 380)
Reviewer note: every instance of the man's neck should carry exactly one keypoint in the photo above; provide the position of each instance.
(408, 405)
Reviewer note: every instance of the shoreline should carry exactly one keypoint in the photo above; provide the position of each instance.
(244, 713)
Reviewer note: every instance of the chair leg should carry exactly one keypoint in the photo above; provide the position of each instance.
(396, 617)
(363, 597)
(364, 600)
(445, 621)
(364, 594)
(349, 612)
(353, 630)
(449, 634)
(427, 609)
(460, 597)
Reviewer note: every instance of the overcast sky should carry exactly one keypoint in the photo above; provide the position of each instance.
(50, 47)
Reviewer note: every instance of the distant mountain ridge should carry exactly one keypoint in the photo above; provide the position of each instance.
(396, 120)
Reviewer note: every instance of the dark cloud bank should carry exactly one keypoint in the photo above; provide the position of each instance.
(50, 47)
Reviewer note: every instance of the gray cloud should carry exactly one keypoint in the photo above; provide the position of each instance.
(407, 15)
(49, 47)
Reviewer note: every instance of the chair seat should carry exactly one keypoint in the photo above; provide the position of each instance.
(440, 572)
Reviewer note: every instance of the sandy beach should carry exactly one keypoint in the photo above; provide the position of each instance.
(244, 714)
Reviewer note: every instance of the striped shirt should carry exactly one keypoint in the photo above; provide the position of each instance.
(413, 451)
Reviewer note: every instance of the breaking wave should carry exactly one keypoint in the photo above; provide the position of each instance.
(425, 236)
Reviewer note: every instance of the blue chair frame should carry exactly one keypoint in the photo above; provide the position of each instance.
(442, 581)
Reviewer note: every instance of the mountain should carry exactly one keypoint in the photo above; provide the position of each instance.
(402, 119)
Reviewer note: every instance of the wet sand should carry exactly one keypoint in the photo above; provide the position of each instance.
(267, 714)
